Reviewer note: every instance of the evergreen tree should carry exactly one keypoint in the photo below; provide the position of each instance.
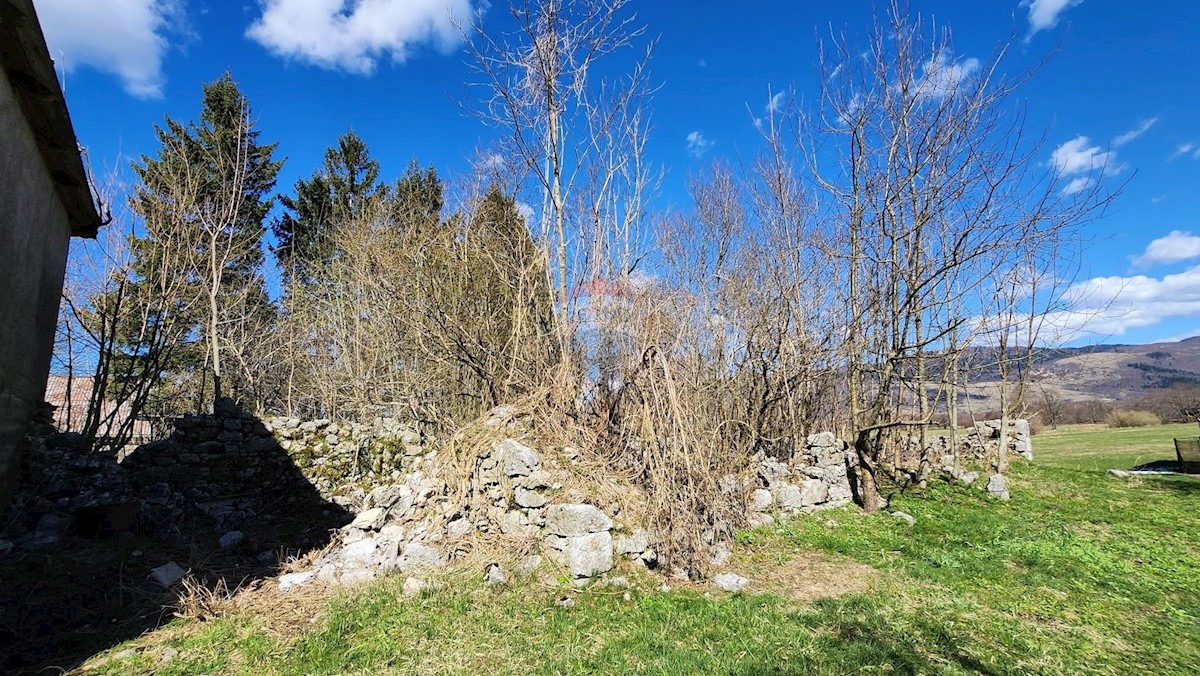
(203, 199)
(340, 190)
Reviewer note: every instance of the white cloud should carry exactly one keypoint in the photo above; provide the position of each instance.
(526, 211)
(697, 145)
(1184, 149)
(126, 38)
(354, 35)
(1078, 184)
(1174, 247)
(1112, 306)
(1080, 160)
(775, 103)
(1043, 14)
(941, 76)
(702, 63)
(1132, 134)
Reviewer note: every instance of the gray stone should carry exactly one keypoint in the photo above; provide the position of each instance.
(293, 580)
(997, 486)
(414, 586)
(584, 556)
(494, 576)
(371, 519)
(360, 554)
(761, 500)
(821, 440)
(231, 538)
(1119, 473)
(459, 528)
(528, 565)
(168, 574)
(516, 458)
(789, 497)
(814, 492)
(517, 524)
(633, 544)
(968, 478)
(576, 520)
(760, 519)
(773, 471)
(905, 517)
(386, 496)
(730, 582)
(417, 556)
(527, 498)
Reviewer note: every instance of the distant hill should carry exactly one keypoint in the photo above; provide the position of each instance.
(1107, 372)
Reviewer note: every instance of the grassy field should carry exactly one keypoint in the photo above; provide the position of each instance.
(1080, 572)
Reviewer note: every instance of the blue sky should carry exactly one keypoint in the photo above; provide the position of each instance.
(1121, 89)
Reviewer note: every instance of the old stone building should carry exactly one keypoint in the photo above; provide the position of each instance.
(44, 201)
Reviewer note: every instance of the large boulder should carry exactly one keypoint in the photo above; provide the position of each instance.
(516, 458)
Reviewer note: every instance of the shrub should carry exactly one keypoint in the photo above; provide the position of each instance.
(1132, 419)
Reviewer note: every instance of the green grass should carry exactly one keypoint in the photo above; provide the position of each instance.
(1080, 572)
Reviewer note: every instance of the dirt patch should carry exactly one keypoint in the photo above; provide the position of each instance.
(809, 576)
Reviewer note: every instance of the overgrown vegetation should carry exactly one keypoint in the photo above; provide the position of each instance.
(1080, 573)
(841, 280)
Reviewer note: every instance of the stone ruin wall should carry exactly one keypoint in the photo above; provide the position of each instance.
(402, 513)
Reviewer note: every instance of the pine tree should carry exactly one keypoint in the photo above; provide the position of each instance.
(340, 190)
(203, 199)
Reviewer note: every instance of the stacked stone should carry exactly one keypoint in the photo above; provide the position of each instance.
(63, 477)
(335, 455)
(817, 479)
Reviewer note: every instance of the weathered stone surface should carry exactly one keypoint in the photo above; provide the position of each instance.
(633, 544)
(459, 528)
(168, 574)
(968, 478)
(760, 500)
(905, 517)
(576, 520)
(584, 556)
(997, 486)
(516, 458)
(814, 492)
(360, 554)
(823, 439)
(371, 519)
(730, 582)
(358, 576)
(231, 538)
(494, 575)
(293, 580)
(417, 556)
(789, 497)
(528, 498)
(773, 471)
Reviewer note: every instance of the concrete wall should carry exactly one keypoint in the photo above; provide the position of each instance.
(34, 234)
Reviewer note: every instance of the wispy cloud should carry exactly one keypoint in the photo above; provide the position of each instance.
(941, 76)
(1044, 14)
(1185, 149)
(1081, 161)
(1133, 134)
(775, 103)
(697, 145)
(125, 38)
(323, 33)
(1176, 246)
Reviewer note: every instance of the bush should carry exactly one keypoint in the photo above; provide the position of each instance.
(1132, 419)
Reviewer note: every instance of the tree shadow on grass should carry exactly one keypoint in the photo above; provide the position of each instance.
(63, 604)
(854, 635)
